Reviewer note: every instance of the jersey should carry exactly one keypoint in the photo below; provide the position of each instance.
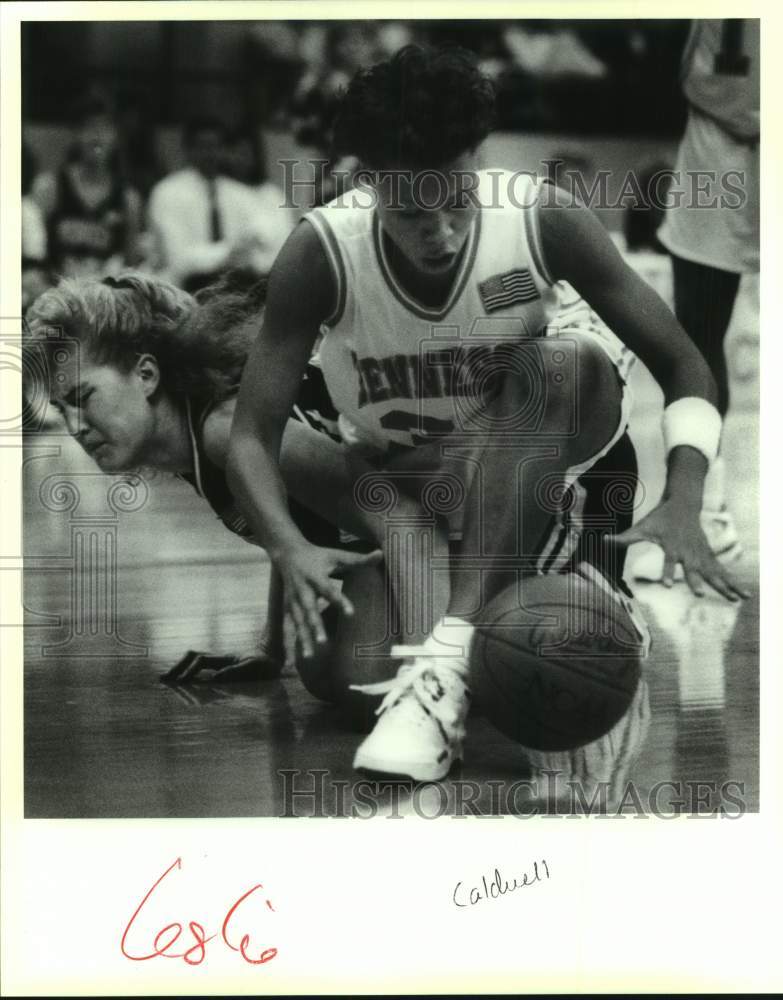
(397, 369)
(82, 238)
(720, 74)
(392, 365)
(313, 408)
(721, 82)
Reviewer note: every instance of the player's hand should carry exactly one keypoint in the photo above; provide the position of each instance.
(310, 573)
(677, 529)
(197, 666)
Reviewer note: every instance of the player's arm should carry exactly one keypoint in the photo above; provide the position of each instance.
(578, 249)
(300, 295)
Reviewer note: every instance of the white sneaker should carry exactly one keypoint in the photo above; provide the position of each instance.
(422, 719)
(718, 526)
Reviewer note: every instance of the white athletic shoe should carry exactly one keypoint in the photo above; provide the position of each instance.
(422, 719)
(718, 526)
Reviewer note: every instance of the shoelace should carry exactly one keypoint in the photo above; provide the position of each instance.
(410, 675)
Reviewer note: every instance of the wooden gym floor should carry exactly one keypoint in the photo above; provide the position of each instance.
(104, 738)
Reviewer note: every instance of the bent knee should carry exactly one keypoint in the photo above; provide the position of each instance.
(584, 397)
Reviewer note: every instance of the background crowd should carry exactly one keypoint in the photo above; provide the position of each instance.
(118, 171)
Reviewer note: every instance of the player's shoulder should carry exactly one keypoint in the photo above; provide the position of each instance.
(216, 431)
(302, 279)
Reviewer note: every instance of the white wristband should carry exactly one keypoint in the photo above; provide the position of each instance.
(694, 422)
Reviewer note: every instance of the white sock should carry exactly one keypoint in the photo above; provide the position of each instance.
(452, 637)
(715, 486)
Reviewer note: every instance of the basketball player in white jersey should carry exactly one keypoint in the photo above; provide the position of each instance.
(712, 246)
(442, 299)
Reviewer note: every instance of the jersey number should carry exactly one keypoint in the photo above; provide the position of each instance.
(731, 60)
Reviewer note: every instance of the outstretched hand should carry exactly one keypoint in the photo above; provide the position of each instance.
(215, 668)
(310, 573)
(679, 533)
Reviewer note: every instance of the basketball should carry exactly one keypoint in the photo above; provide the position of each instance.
(556, 662)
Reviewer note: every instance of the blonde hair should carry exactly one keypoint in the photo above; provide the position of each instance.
(200, 350)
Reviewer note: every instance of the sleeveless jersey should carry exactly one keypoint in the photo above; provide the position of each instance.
(314, 408)
(396, 368)
(83, 238)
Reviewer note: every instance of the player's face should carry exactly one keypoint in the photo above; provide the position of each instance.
(107, 410)
(428, 214)
(97, 138)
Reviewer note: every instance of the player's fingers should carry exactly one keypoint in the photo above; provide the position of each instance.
(669, 565)
(627, 537)
(695, 580)
(338, 599)
(346, 561)
(720, 580)
(316, 624)
(309, 604)
(301, 629)
(206, 661)
(249, 668)
(332, 592)
(180, 666)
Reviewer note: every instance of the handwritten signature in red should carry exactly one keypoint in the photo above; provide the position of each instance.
(168, 936)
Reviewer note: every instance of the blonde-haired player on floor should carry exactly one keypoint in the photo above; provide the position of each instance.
(435, 287)
(146, 377)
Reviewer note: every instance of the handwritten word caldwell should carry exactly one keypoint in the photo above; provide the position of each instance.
(497, 887)
(196, 953)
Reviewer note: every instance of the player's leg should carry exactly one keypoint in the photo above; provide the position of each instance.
(321, 475)
(704, 298)
(520, 464)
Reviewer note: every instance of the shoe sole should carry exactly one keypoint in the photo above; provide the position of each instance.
(418, 770)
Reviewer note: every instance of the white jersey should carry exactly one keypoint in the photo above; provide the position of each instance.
(718, 226)
(397, 370)
(720, 74)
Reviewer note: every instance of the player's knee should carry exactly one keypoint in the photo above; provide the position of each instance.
(577, 369)
(584, 393)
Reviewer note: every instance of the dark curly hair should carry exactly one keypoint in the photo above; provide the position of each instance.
(419, 109)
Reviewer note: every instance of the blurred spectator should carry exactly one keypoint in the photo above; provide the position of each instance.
(335, 53)
(274, 62)
(641, 221)
(35, 275)
(139, 154)
(551, 53)
(204, 220)
(273, 221)
(93, 215)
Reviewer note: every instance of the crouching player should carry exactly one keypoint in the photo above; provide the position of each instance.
(459, 308)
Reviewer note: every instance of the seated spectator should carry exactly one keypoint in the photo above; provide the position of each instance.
(273, 222)
(35, 274)
(205, 221)
(93, 215)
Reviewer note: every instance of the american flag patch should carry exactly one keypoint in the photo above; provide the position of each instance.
(504, 290)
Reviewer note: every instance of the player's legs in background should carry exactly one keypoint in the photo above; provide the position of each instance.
(704, 298)
(703, 303)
